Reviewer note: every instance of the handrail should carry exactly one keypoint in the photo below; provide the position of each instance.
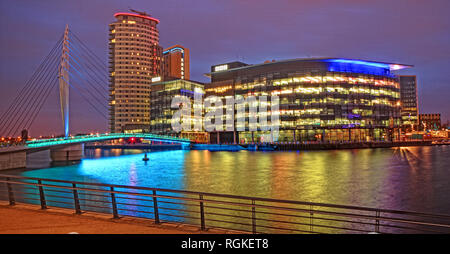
(362, 217)
(235, 196)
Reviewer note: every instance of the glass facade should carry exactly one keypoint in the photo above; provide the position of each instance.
(408, 96)
(161, 112)
(319, 100)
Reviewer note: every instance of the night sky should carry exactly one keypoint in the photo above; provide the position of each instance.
(402, 31)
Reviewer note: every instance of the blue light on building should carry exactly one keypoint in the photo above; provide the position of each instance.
(361, 66)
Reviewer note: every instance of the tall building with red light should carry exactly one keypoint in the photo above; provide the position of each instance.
(134, 59)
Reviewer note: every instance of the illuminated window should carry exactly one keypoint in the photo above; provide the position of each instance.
(221, 67)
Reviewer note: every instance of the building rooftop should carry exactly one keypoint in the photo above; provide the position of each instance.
(172, 48)
(359, 62)
(137, 15)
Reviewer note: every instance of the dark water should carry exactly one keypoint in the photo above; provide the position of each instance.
(409, 178)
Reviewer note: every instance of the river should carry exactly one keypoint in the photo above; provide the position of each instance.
(405, 178)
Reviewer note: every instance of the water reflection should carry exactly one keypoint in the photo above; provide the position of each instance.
(409, 178)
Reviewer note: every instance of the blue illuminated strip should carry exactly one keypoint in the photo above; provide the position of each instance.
(100, 137)
(359, 62)
(176, 48)
(359, 66)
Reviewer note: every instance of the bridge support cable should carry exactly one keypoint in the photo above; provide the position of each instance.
(90, 52)
(48, 92)
(91, 61)
(83, 90)
(35, 99)
(12, 109)
(21, 105)
(87, 100)
(85, 84)
(90, 68)
(69, 59)
(29, 82)
(82, 66)
(25, 103)
(98, 104)
(88, 75)
(76, 66)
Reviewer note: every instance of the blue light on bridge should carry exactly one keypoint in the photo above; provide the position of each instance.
(102, 137)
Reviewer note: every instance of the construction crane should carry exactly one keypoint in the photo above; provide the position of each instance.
(140, 12)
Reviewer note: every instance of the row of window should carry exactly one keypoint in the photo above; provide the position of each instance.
(149, 58)
(138, 33)
(118, 103)
(133, 28)
(134, 109)
(128, 49)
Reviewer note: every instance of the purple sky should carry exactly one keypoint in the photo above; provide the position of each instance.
(403, 31)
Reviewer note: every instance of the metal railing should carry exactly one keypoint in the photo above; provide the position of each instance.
(208, 210)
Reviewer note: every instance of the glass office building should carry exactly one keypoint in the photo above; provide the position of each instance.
(161, 112)
(409, 102)
(322, 99)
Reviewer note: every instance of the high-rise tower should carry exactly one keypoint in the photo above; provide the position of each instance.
(134, 58)
(409, 102)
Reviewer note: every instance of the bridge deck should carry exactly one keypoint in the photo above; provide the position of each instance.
(103, 137)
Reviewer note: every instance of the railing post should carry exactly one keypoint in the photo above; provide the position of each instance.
(42, 196)
(76, 200)
(253, 217)
(155, 208)
(114, 204)
(377, 221)
(12, 201)
(202, 213)
(311, 216)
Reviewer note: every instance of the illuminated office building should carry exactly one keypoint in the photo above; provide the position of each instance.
(176, 63)
(134, 59)
(161, 113)
(324, 99)
(409, 102)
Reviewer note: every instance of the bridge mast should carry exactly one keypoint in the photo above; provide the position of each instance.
(64, 82)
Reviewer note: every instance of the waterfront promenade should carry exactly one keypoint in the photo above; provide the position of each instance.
(30, 219)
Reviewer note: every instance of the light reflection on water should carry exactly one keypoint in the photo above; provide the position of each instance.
(413, 178)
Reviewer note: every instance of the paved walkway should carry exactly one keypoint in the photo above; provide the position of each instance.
(30, 219)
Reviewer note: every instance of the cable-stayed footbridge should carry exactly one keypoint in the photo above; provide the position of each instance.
(70, 66)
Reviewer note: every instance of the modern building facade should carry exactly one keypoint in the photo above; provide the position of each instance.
(134, 59)
(322, 99)
(409, 102)
(162, 112)
(430, 121)
(176, 63)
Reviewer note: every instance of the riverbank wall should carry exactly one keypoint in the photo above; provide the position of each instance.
(359, 145)
(282, 146)
(153, 147)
